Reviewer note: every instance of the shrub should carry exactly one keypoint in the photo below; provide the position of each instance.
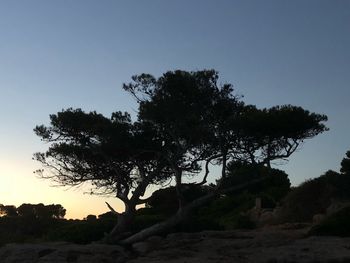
(146, 220)
(275, 186)
(164, 201)
(337, 224)
(80, 231)
(314, 196)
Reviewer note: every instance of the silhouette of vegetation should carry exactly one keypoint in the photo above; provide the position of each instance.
(316, 195)
(345, 164)
(38, 222)
(39, 211)
(186, 123)
(337, 224)
(224, 212)
(81, 231)
(272, 189)
(114, 154)
(164, 201)
(8, 210)
(28, 221)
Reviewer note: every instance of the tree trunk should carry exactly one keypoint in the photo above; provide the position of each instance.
(182, 214)
(122, 228)
(164, 226)
(179, 190)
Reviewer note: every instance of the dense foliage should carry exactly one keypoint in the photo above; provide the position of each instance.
(38, 211)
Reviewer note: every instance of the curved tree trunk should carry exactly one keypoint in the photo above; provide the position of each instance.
(122, 228)
(125, 220)
(183, 214)
(164, 226)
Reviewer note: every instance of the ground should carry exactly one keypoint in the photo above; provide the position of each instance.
(286, 243)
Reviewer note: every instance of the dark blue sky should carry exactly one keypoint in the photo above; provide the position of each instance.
(59, 54)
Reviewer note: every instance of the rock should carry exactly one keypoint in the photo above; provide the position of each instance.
(318, 218)
(142, 247)
(282, 243)
(150, 244)
(155, 239)
(270, 244)
(266, 218)
(62, 253)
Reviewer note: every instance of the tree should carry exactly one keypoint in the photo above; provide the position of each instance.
(186, 121)
(55, 211)
(345, 164)
(41, 211)
(206, 123)
(191, 111)
(91, 218)
(116, 156)
(203, 121)
(38, 211)
(8, 210)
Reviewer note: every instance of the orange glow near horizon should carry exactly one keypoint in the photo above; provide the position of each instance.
(19, 185)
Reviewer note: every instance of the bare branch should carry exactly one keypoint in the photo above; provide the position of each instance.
(112, 209)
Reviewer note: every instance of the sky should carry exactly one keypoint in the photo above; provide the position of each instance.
(58, 54)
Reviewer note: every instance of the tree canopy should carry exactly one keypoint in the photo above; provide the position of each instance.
(345, 164)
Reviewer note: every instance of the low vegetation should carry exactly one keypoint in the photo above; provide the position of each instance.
(38, 223)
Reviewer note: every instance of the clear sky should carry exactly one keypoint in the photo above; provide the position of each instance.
(60, 53)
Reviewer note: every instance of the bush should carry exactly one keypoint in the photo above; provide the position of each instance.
(275, 186)
(146, 220)
(337, 224)
(164, 201)
(225, 212)
(237, 221)
(314, 196)
(80, 231)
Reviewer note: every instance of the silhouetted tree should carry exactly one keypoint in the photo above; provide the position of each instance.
(204, 122)
(56, 211)
(8, 210)
(192, 112)
(345, 164)
(186, 122)
(41, 211)
(91, 218)
(118, 157)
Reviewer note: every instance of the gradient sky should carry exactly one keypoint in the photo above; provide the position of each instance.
(61, 53)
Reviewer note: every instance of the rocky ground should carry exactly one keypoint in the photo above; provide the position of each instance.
(271, 244)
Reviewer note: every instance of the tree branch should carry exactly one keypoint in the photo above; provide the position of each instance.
(112, 209)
